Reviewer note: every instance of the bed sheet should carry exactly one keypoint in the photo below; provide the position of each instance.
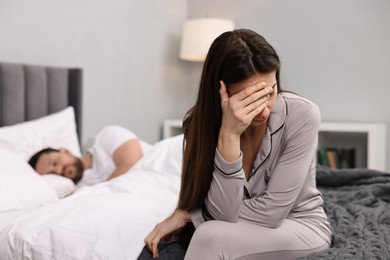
(7, 217)
(106, 221)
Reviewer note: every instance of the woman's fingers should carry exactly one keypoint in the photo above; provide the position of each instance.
(249, 91)
(257, 110)
(154, 248)
(240, 109)
(170, 225)
(256, 105)
(152, 241)
(255, 96)
(245, 113)
(152, 245)
(223, 92)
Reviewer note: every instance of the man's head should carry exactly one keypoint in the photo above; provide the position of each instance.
(60, 162)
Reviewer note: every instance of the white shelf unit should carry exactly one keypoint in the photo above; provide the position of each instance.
(172, 127)
(369, 140)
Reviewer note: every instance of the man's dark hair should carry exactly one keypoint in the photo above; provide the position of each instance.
(34, 159)
(79, 165)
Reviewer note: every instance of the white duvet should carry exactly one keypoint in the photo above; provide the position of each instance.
(106, 221)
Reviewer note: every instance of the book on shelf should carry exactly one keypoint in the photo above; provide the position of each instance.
(333, 158)
(336, 157)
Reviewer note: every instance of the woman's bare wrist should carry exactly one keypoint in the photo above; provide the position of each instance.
(229, 146)
(184, 214)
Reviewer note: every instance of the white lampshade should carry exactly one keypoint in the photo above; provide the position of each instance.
(198, 34)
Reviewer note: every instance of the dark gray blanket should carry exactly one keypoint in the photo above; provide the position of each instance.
(357, 202)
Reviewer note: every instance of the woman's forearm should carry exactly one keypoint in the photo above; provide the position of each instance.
(229, 146)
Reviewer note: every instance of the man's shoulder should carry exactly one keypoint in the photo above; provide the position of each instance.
(112, 128)
(115, 129)
(114, 134)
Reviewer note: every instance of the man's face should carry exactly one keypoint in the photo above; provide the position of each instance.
(61, 163)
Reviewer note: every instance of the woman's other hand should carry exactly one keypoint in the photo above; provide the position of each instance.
(166, 228)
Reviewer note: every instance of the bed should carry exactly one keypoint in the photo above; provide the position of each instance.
(29, 92)
(110, 220)
(39, 219)
(357, 203)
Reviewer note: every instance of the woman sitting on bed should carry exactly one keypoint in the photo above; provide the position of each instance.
(248, 177)
(115, 150)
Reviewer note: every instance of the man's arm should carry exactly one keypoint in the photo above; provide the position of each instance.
(125, 156)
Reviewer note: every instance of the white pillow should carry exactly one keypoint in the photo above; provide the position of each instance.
(56, 130)
(61, 185)
(20, 186)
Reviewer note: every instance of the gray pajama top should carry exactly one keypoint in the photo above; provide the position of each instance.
(282, 182)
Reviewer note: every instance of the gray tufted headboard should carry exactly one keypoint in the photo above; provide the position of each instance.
(30, 91)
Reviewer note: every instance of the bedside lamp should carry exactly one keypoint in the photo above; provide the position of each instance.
(198, 34)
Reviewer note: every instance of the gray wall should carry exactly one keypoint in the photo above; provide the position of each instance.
(127, 49)
(334, 52)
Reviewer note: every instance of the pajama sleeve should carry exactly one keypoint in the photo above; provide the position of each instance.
(226, 190)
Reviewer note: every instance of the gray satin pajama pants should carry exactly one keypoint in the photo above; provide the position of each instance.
(214, 240)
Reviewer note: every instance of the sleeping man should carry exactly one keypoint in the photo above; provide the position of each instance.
(114, 152)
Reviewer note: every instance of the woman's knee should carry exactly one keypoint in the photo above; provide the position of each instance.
(207, 234)
(208, 240)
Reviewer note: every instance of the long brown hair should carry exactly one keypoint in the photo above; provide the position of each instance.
(233, 57)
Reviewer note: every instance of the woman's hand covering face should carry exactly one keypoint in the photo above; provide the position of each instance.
(239, 109)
